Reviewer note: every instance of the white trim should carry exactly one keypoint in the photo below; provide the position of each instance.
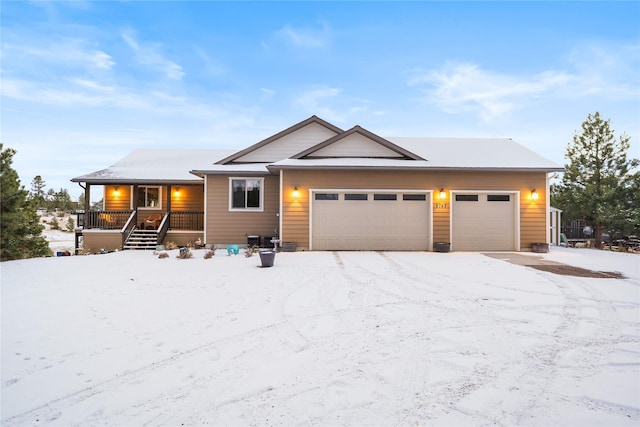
(312, 191)
(280, 207)
(253, 178)
(206, 201)
(516, 193)
(547, 209)
(134, 199)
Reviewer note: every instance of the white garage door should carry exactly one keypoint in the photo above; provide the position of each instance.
(484, 222)
(370, 221)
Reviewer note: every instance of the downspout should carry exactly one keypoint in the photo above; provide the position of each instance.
(206, 197)
(547, 208)
(280, 209)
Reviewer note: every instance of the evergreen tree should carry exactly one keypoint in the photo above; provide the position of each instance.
(37, 191)
(19, 223)
(71, 224)
(62, 201)
(598, 183)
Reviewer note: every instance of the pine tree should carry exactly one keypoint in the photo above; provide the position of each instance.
(19, 223)
(598, 182)
(37, 191)
(71, 224)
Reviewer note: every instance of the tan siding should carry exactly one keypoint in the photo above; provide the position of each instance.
(356, 145)
(290, 144)
(295, 215)
(224, 226)
(187, 198)
(119, 200)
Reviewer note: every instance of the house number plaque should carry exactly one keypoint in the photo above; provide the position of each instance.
(441, 205)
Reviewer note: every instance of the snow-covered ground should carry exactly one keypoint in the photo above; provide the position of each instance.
(322, 338)
(59, 240)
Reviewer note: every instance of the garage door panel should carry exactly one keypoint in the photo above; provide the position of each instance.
(484, 224)
(370, 224)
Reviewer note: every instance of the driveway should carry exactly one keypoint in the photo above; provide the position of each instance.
(322, 338)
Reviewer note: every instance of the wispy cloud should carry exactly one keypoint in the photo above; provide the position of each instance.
(466, 87)
(590, 70)
(150, 55)
(330, 103)
(306, 38)
(59, 52)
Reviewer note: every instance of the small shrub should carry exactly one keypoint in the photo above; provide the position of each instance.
(163, 255)
(251, 250)
(71, 225)
(54, 224)
(209, 254)
(184, 253)
(170, 245)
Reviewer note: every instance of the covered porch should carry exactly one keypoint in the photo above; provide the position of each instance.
(141, 216)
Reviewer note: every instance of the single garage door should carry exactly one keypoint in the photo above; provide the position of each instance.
(370, 220)
(484, 222)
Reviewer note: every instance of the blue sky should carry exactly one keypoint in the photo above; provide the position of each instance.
(84, 83)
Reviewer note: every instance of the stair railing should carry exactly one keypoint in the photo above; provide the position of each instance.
(128, 228)
(164, 227)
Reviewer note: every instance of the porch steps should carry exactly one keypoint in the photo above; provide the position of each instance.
(142, 239)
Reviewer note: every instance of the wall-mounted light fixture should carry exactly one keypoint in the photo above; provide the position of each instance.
(442, 194)
(116, 191)
(176, 192)
(534, 194)
(296, 193)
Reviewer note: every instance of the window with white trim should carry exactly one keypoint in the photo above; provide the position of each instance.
(246, 194)
(149, 197)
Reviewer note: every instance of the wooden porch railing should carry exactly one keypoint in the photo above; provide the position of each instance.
(186, 220)
(126, 221)
(105, 220)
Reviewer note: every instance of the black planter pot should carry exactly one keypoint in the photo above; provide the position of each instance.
(442, 247)
(267, 258)
(540, 248)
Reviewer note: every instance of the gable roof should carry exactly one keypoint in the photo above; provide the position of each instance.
(386, 148)
(237, 157)
(155, 167)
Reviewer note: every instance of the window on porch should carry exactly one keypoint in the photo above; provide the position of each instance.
(149, 197)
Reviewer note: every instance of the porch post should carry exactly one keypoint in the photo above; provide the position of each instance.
(87, 201)
(134, 202)
(169, 203)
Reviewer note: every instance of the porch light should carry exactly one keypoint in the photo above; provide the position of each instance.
(116, 191)
(442, 194)
(296, 193)
(534, 194)
(177, 192)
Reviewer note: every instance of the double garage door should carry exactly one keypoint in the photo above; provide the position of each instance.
(402, 221)
(370, 220)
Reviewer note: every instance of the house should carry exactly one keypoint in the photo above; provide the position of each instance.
(324, 188)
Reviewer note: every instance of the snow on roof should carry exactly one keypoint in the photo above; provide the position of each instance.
(442, 153)
(145, 165)
(245, 168)
(476, 153)
(183, 166)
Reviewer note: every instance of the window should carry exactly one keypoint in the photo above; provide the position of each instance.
(466, 197)
(149, 197)
(246, 193)
(385, 197)
(498, 198)
(356, 197)
(326, 196)
(420, 197)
